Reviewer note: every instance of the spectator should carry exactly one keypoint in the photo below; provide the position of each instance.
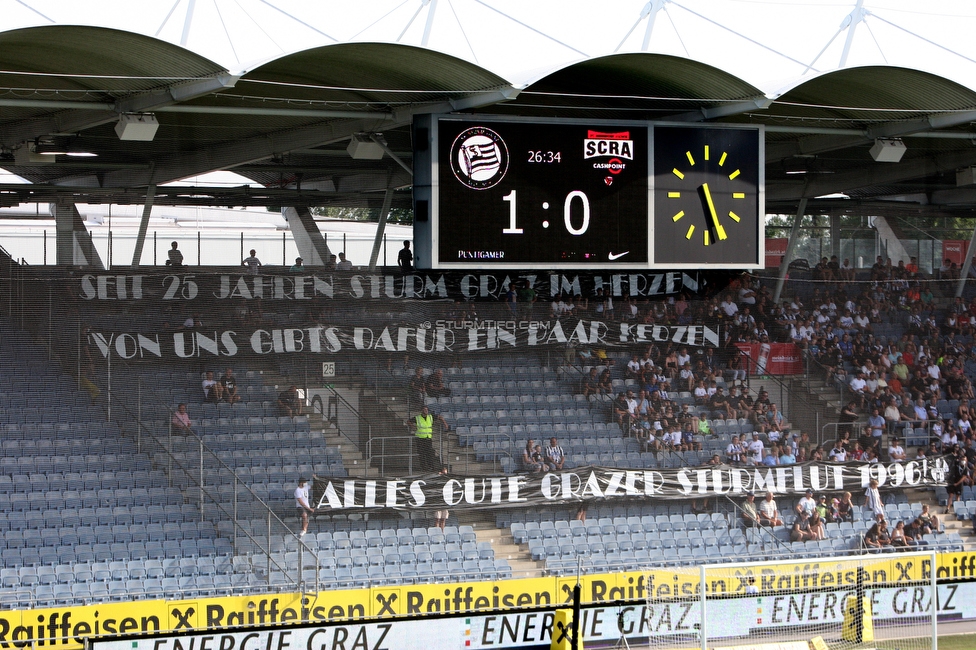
(228, 388)
(555, 457)
(252, 263)
(817, 526)
(734, 452)
(423, 428)
(786, 456)
(801, 529)
(418, 386)
(877, 536)
(845, 508)
(181, 421)
(540, 458)
(756, 449)
(768, 513)
(896, 453)
(344, 264)
(435, 385)
(873, 501)
(289, 403)
(807, 504)
(839, 453)
(877, 424)
(591, 384)
(529, 462)
(898, 536)
(405, 258)
(847, 417)
(210, 388)
(174, 258)
(927, 521)
(440, 516)
(302, 504)
(750, 516)
(298, 266)
(913, 532)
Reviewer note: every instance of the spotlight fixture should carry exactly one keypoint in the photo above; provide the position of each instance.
(137, 126)
(362, 147)
(888, 150)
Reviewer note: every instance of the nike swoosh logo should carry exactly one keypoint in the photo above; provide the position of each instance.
(616, 256)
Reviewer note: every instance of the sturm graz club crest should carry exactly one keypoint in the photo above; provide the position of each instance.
(479, 158)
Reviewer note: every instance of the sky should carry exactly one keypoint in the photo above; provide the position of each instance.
(769, 43)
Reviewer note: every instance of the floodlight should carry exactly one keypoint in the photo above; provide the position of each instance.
(137, 126)
(888, 150)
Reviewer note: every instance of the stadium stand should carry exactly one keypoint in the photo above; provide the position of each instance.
(101, 501)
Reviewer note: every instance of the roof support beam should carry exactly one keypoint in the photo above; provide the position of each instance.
(73, 121)
(233, 153)
(381, 226)
(312, 246)
(724, 110)
(875, 174)
(144, 225)
(826, 140)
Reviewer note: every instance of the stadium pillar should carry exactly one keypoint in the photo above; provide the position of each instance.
(790, 249)
(74, 245)
(381, 228)
(967, 265)
(835, 236)
(312, 247)
(144, 225)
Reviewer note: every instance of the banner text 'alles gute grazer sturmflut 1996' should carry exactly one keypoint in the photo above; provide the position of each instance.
(601, 484)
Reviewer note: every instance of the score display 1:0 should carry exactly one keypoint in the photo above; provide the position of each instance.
(500, 185)
(513, 229)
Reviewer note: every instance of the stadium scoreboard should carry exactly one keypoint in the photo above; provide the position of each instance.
(570, 194)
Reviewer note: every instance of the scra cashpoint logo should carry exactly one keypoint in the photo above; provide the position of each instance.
(616, 147)
(479, 158)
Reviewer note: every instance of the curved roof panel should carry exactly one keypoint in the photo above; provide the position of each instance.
(364, 75)
(855, 97)
(105, 62)
(638, 85)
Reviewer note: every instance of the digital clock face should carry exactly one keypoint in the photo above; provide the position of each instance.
(529, 195)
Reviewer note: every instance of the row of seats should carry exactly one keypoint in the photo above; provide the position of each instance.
(77, 429)
(81, 481)
(48, 555)
(74, 464)
(71, 518)
(361, 577)
(127, 590)
(116, 570)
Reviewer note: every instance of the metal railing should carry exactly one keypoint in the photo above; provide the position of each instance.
(381, 449)
(207, 464)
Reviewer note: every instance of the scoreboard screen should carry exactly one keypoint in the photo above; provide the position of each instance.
(514, 193)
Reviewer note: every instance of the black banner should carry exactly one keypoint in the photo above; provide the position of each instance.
(451, 336)
(602, 484)
(207, 287)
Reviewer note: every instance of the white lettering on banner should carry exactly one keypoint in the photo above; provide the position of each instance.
(891, 606)
(185, 288)
(597, 483)
(111, 287)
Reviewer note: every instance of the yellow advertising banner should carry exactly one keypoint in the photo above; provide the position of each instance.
(66, 627)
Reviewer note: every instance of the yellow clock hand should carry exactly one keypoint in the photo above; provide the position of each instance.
(719, 230)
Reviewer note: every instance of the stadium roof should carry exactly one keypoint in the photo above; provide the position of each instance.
(286, 123)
